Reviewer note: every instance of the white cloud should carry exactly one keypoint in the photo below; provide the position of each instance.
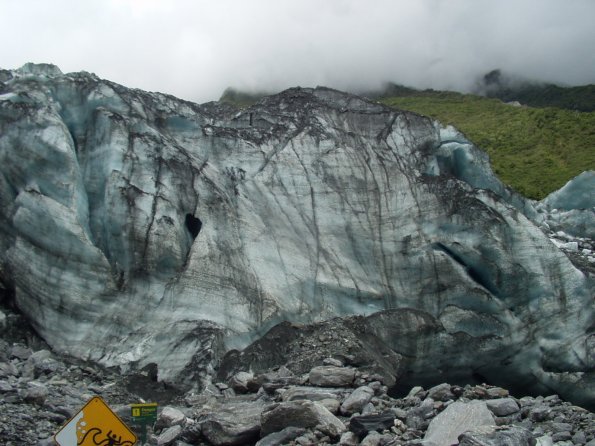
(194, 48)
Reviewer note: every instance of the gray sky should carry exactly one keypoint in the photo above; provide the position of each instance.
(194, 49)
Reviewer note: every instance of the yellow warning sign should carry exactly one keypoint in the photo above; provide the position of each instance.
(95, 424)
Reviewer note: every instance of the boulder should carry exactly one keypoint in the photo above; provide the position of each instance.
(457, 418)
(169, 435)
(497, 436)
(233, 424)
(502, 407)
(282, 437)
(243, 382)
(35, 393)
(331, 376)
(294, 393)
(361, 425)
(357, 400)
(170, 416)
(20, 352)
(306, 414)
(418, 417)
(349, 439)
(372, 439)
(441, 392)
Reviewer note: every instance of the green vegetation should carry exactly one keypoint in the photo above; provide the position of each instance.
(507, 88)
(534, 150)
(572, 98)
(239, 98)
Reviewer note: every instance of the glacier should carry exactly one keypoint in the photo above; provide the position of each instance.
(139, 228)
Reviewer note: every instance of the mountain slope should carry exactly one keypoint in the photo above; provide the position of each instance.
(497, 84)
(534, 150)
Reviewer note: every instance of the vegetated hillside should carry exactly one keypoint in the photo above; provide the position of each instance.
(240, 98)
(534, 150)
(572, 98)
(506, 87)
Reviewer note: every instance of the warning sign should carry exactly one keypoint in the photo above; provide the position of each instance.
(95, 424)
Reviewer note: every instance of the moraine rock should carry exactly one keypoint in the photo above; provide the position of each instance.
(303, 413)
(503, 406)
(300, 347)
(126, 215)
(357, 400)
(237, 423)
(282, 437)
(375, 439)
(441, 392)
(170, 416)
(456, 419)
(497, 436)
(25, 422)
(35, 393)
(419, 416)
(361, 425)
(243, 382)
(331, 376)
(169, 435)
(294, 393)
(349, 439)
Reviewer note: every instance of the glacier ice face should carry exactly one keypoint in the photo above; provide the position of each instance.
(572, 208)
(576, 194)
(139, 228)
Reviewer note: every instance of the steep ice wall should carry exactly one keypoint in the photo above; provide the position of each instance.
(138, 228)
(571, 209)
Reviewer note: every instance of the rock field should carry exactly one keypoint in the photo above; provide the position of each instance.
(332, 403)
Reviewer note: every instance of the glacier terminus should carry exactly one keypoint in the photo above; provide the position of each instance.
(138, 228)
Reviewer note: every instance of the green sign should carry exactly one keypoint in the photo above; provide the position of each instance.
(144, 414)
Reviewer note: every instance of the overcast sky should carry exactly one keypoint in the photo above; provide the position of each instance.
(194, 49)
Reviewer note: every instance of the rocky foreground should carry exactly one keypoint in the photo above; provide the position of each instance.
(335, 402)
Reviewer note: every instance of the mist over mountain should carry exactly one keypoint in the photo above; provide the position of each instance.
(195, 49)
(507, 88)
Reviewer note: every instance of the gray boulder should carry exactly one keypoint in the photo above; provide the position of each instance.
(20, 352)
(35, 393)
(243, 382)
(418, 417)
(457, 418)
(170, 416)
(497, 436)
(169, 435)
(281, 437)
(357, 400)
(306, 414)
(502, 407)
(311, 393)
(331, 376)
(233, 424)
(441, 392)
(375, 439)
(363, 424)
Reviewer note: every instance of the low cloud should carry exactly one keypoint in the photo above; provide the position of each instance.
(195, 49)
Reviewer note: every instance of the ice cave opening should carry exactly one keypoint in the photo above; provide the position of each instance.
(193, 224)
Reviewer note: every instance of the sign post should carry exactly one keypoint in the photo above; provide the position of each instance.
(95, 424)
(143, 415)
